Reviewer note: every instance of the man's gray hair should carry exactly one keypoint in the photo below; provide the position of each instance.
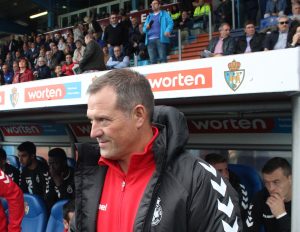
(132, 88)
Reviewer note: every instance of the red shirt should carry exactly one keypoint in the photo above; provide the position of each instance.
(27, 75)
(14, 196)
(122, 192)
(67, 69)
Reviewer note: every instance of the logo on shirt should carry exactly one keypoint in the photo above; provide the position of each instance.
(157, 213)
(26, 208)
(235, 76)
(103, 207)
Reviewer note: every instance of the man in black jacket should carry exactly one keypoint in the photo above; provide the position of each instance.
(271, 207)
(251, 41)
(92, 59)
(145, 181)
(8, 169)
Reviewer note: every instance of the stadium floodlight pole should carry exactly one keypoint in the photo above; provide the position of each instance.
(38, 15)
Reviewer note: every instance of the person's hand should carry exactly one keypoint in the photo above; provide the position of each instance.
(296, 38)
(167, 34)
(276, 204)
(57, 177)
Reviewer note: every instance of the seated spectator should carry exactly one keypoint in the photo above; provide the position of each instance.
(14, 196)
(105, 54)
(296, 38)
(275, 8)
(220, 163)
(78, 52)
(222, 45)
(201, 13)
(61, 44)
(24, 74)
(26, 52)
(17, 55)
(67, 68)
(7, 75)
(57, 55)
(34, 178)
(278, 39)
(271, 207)
(9, 60)
(8, 169)
(62, 176)
(185, 25)
(92, 59)
(78, 32)
(49, 61)
(33, 53)
(118, 60)
(175, 14)
(295, 17)
(251, 41)
(42, 71)
(15, 67)
(68, 215)
(58, 71)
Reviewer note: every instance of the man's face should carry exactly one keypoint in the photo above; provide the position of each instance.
(78, 44)
(296, 9)
(134, 22)
(41, 62)
(115, 131)
(25, 158)
(117, 52)
(155, 6)
(5, 68)
(225, 31)
(113, 19)
(22, 64)
(184, 15)
(55, 166)
(69, 59)
(250, 30)
(222, 168)
(277, 183)
(283, 24)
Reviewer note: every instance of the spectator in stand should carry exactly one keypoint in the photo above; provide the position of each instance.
(57, 55)
(296, 38)
(118, 60)
(34, 178)
(220, 163)
(175, 14)
(278, 39)
(115, 34)
(8, 169)
(61, 44)
(26, 52)
(79, 51)
(93, 25)
(13, 44)
(17, 55)
(70, 44)
(68, 66)
(185, 25)
(271, 207)
(7, 75)
(47, 41)
(62, 176)
(58, 71)
(49, 61)
(9, 60)
(136, 38)
(15, 67)
(78, 32)
(201, 13)
(14, 196)
(24, 74)
(220, 46)
(158, 27)
(38, 42)
(223, 13)
(42, 71)
(251, 41)
(275, 8)
(295, 17)
(105, 54)
(33, 53)
(92, 59)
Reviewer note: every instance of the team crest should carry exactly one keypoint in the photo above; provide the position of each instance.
(235, 76)
(26, 208)
(14, 97)
(157, 215)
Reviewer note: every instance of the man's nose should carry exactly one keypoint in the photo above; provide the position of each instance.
(96, 130)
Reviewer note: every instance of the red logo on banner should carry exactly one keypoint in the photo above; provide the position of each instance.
(81, 129)
(21, 130)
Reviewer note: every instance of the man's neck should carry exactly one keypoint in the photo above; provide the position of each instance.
(33, 165)
(22, 70)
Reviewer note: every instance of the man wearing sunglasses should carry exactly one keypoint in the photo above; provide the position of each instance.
(278, 39)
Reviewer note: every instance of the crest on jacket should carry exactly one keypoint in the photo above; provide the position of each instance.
(157, 215)
(235, 76)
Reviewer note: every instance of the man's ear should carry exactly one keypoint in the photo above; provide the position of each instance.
(140, 115)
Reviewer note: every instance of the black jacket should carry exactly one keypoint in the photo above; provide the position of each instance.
(272, 38)
(256, 43)
(92, 58)
(228, 45)
(184, 193)
(260, 214)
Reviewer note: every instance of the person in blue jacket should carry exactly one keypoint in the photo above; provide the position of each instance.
(7, 75)
(158, 28)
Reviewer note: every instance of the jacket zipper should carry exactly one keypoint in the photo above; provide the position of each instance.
(123, 185)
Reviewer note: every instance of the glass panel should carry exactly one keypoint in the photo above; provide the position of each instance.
(64, 22)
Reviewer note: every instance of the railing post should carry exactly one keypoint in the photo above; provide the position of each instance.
(233, 14)
(209, 26)
(179, 45)
(135, 59)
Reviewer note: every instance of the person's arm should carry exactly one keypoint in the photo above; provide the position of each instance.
(111, 64)
(14, 196)
(87, 55)
(254, 220)
(124, 63)
(230, 47)
(170, 25)
(214, 203)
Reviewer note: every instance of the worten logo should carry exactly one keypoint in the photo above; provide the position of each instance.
(42, 93)
(235, 76)
(21, 130)
(2, 99)
(181, 79)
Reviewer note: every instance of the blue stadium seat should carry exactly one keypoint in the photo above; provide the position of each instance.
(248, 177)
(55, 222)
(143, 62)
(3, 202)
(35, 218)
(42, 159)
(13, 160)
(71, 162)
